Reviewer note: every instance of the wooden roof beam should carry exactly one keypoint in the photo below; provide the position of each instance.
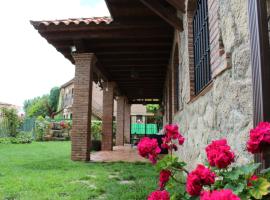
(164, 13)
(178, 4)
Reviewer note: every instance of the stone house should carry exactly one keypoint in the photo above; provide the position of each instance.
(205, 61)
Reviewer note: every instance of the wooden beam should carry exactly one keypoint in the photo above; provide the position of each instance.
(127, 33)
(164, 13)
(178, 4)
(135, 62)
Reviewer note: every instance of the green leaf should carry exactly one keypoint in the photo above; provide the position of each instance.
(238, 188)
(249, 169)
(260, 188)
(169, 162)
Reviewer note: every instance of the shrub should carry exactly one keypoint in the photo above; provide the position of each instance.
(41, 128)
(5, 140)
(217, 179)
(96, 129)
(11, 120)
(23, 138)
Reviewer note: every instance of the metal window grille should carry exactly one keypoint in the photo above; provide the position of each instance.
(201, 46)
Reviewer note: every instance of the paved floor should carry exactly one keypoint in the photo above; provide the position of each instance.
(120, 153)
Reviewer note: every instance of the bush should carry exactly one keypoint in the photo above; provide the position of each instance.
(5, 140)
(96, 129)
(12, 121)
(21, 138)
(41, 128)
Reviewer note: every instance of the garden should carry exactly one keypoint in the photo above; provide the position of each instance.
(44, 170)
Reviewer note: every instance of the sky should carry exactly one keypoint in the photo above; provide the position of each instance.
(29, 66)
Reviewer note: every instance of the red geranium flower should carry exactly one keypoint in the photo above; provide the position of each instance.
(164, 177)
(148, 148)
(197, 178)
(159, 195)
(251, 179)
(219, 154)
(258, 136)
(172, 133)
(225, 194)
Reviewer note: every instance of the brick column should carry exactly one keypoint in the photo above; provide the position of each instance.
(120, 121)
(107, 118)
(82, 106)
(127, 122)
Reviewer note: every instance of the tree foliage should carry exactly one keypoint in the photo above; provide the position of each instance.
(54, 98)
(38, 107)
(45, 105)
(152, 108)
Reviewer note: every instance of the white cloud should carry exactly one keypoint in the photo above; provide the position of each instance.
(29, 66)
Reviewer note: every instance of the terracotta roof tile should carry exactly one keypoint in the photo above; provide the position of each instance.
(73, 21)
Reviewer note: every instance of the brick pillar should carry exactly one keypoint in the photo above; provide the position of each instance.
(127, 122)
(107, 118)
(82, 106)
(120, 121)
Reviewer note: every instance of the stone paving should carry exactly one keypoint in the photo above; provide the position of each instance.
(125, 153)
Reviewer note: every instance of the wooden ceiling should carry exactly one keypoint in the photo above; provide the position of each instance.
(133, 50)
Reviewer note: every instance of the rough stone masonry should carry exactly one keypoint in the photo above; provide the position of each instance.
(225, 111)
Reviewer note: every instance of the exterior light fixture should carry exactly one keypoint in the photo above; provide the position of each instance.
(73, 49)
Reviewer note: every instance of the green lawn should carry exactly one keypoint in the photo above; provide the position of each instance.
(45, 171)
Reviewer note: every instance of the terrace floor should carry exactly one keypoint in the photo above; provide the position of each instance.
(125, 153)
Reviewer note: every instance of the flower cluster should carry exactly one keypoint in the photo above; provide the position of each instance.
(64, 125)
(159, 195)
(259, 136)
(198, 178)
(164, 177)
(251, 180)
(219, 154)
(148, 148)
(225, 194)
(172, 133)
(214, 177)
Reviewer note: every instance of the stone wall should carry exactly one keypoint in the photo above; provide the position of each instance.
(225, 110)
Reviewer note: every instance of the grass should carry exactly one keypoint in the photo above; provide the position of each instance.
(44, 171)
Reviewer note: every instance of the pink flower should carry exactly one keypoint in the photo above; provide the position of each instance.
(225, 194)
(148, 148)
(251, 180)
(164, 177)
(172, 133)
(159, 195)
(219, 154)
(258, 136)
(197, 178)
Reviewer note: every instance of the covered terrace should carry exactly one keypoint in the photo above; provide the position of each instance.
(127, 54)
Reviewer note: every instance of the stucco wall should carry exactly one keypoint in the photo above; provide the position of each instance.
(225, 111)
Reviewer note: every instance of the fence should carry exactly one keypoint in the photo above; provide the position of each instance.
(27, 125)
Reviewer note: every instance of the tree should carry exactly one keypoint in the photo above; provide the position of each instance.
(45, 105)
(37, 107)
(54, 98)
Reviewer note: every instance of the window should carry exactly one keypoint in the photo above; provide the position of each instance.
(201, 46)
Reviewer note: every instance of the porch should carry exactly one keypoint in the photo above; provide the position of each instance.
(128, 56)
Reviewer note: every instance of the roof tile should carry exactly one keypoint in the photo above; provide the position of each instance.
(76, 21)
